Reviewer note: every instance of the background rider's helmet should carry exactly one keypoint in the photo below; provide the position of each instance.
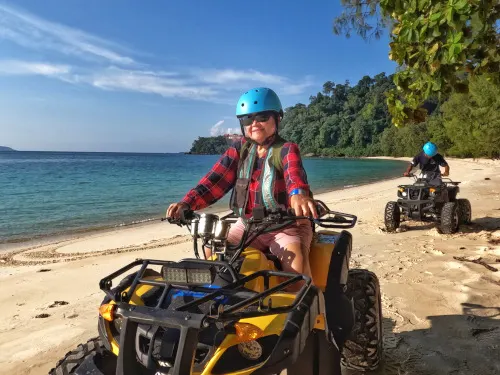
(258, 99)
(430, 149)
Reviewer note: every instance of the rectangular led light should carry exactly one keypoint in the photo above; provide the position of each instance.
(199, 276)
(187, 275)
(175, 275)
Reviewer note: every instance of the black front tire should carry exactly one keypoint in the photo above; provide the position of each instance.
(105, 360)
(363, 351)
(450, 218)
(392, 216)
(464, 211)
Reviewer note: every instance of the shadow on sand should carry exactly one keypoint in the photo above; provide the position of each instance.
(467, 344)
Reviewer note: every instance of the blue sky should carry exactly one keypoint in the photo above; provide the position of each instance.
(152, 76)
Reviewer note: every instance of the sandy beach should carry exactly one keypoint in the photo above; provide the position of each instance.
(441, 315)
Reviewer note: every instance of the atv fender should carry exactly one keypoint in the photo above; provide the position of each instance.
(339, 309)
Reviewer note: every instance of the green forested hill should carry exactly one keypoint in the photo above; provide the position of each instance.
(353, 120)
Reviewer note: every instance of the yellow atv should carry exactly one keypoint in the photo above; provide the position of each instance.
(233, 313)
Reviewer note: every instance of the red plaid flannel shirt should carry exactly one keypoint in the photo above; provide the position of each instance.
(222, 178)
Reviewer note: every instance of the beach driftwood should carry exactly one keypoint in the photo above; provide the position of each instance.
(477, 261)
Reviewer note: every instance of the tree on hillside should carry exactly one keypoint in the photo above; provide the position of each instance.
(209, 145)
(438, 44)
(342, 120)
(472, 120)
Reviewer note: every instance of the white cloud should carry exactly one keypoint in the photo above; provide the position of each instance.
(103, 65)
(15, 67)
(217, 129)
(299, 87)
(149, 82)
(166, 84)
(231, 76)
(231, 79)
(33, 32)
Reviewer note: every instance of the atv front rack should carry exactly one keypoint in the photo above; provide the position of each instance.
(235, 287)
(231, 302)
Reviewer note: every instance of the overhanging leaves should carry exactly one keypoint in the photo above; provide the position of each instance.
(438, 43)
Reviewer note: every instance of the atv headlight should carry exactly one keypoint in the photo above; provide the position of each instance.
(177, 275)
(402, 192)
(250, 350)
(245, 355)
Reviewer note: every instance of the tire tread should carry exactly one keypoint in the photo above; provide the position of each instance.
(363, 350)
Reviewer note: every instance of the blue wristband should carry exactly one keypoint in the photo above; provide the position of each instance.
(298, 191)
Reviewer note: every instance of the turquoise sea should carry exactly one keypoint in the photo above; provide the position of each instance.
(49, 193)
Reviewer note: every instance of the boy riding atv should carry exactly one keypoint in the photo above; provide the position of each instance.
(429, 161)
(429, 198)
(265, 170)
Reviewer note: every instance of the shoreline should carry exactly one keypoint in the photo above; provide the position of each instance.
(10, 250)
(13, 246)
(17, 243)
(9, 246)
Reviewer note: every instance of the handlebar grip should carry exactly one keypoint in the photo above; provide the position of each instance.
(185, 217)
(183, 214)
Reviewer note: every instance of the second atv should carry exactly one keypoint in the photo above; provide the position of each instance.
(233, 313)
(422, 201)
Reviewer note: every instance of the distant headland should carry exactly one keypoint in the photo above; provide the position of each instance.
(4, 148)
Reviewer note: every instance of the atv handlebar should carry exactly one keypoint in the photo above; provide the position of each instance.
(417, 178)
(278, 217)
(213, 230)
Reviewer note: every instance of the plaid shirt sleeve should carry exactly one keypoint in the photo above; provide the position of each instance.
(216, 183)
(293, 170)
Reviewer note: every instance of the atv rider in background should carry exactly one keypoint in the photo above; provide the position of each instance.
(430, 162)
(264, 170)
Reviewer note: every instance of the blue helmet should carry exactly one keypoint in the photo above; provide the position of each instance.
(430, 149)
(258, 99)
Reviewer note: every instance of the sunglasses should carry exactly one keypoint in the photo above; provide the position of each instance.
(248, 120)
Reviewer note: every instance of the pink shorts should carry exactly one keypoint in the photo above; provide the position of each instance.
(277, 241)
